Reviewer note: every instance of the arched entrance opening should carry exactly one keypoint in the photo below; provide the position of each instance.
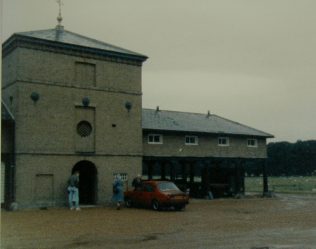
(87, 182)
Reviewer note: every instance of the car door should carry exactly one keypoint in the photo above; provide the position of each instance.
(147, 194)
(137, 197)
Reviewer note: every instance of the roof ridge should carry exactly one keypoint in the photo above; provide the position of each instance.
(241, 124)
(104, 43)
(196, 113)
(31, 31)
(217, 121)
(23, 33)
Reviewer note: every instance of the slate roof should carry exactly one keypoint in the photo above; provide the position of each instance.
(61, 36)
(6, 113)
(194, 122)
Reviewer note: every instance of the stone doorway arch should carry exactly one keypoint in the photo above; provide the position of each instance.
(87, 182)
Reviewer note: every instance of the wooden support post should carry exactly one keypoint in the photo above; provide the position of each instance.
(265, 178)
(184, 171)
(192, 173)
(239, 178)
(163, 170)
(172, 170)
(242, 176)
(206, 179)
(150, 170)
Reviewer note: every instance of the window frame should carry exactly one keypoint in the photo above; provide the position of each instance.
(255, 142)
(124, 176)
(221, 144)
(196, 140)
(153, 135)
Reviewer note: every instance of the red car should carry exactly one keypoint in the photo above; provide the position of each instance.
(157, 195)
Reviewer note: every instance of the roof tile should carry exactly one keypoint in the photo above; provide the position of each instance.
(64, 36)
(195, 122)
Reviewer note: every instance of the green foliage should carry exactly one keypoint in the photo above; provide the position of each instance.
(290, 159)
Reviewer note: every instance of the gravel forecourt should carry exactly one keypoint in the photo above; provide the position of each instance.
(285, 221)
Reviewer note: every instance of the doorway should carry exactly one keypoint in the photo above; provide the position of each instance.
(87, 182)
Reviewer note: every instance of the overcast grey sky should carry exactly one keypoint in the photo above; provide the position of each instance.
(252, 61)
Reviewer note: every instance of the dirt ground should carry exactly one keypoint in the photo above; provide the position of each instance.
(286, 221)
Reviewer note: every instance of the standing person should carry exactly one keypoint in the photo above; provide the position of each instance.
(118, 195)
(137, 182)
(73, 191)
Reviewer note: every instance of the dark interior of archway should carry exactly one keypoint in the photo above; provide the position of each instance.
(87, 182)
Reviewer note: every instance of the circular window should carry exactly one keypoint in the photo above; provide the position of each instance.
(84, 128)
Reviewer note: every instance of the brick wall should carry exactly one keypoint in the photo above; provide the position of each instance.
(174, 146)
(46, 126)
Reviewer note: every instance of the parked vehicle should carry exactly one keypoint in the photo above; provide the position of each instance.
(157, 195)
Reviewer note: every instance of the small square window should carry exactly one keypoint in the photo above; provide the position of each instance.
(252, 142)
(155, 139)
(124, 176)
(223, 141)
(191, 140)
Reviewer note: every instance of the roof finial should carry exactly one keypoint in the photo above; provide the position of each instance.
(59, 18)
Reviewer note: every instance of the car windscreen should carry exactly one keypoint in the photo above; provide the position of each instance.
(166, 186)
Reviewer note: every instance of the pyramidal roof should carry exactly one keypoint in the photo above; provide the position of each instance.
(61, 36)
(195, 122)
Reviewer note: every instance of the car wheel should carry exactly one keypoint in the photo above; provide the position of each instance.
(128, 203)
(155, 205)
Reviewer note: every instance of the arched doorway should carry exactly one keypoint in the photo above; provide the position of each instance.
(87, 182)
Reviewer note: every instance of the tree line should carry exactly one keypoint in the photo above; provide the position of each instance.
(288, 159)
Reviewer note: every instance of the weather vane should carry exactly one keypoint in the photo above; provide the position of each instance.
(59, 18)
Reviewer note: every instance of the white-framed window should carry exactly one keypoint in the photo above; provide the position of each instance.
(155, 139)
(191, 140)
(223, 141)
(251, 142)
(124, 176)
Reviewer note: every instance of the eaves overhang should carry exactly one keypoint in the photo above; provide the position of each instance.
(18, 40)
(194, 132)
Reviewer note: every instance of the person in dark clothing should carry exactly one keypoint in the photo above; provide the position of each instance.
(137, 182)
(73, 191)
